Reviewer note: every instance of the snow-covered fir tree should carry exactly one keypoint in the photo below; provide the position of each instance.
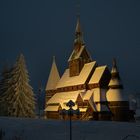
(18, 97)
(5, 76)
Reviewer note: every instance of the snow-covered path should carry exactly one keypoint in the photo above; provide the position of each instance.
(37, 129)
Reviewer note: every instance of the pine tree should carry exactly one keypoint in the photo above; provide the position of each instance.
(5, 75)
(19, 98)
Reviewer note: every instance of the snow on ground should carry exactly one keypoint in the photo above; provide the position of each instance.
(39, 129)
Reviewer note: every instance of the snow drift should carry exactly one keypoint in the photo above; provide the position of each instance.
(39, 129)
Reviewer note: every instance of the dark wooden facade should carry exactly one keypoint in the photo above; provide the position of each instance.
(120, 110)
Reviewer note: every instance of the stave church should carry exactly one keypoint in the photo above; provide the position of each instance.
(96, 91)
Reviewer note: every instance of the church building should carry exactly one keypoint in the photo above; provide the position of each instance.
(96, 91)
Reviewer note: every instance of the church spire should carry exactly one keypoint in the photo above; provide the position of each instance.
(53, 76)
(78, 33)
(78, 26)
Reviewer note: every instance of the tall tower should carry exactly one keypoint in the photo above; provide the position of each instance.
(118, 103)
(80, 55)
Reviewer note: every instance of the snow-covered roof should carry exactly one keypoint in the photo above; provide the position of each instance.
(52, 108)
(61, 98)
(53, 77)
(76, 53)
(95, 79)
(64, 97)
(115, 82)
(67, 81)
(115, 95)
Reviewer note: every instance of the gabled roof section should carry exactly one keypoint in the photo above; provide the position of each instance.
(52, 108)
(64, 97)
(67, 81)
(53, 77)
(77, 53)
(97, 75)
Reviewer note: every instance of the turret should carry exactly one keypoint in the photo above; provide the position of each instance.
(115, 92)
(116, 98)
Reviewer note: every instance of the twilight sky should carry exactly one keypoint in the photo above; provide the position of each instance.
(42, 28)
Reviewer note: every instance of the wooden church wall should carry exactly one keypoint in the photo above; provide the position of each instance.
(120, 110)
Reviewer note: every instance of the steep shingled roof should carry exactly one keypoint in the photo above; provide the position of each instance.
(53, 77)
(97, 75)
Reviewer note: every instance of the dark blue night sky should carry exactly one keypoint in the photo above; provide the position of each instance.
(42, 28)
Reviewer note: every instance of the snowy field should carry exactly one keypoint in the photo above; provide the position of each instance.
(37, 129)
